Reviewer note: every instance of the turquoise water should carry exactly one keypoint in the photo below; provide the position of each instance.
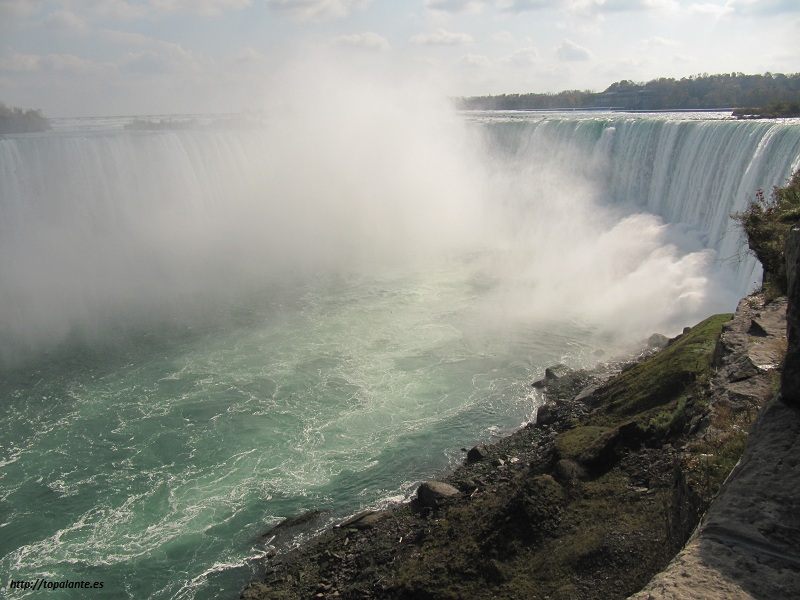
(153, 464)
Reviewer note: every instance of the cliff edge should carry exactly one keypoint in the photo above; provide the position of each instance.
(748, 542)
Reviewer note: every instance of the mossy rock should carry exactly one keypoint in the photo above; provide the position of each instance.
(573, 443)
(608, 447)
(661, 379)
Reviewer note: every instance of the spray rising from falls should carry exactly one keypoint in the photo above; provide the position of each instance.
(615, 220)
(124, 228)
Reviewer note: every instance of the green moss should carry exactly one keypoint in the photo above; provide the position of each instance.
(670, 418)
(661, 380)
(571, 444)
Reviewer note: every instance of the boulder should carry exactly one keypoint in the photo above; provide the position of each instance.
(433, 493)
(300, 519)
(363, 520)
(477, 453)
(545, 414)
(556, 372)
(657, 340)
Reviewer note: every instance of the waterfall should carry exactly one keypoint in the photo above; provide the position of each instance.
(691, 172)
(101, 227)
(699, 173)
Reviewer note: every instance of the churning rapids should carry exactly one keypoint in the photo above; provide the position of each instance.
(205, 330)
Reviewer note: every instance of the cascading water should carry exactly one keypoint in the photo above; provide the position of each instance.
(204, 331)
(695, 170)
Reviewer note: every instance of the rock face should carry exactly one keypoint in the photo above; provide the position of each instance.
(790, 381)
(748, 542)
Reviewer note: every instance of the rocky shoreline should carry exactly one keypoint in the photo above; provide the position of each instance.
(591, 501)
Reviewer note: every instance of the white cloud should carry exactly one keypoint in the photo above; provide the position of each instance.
(31, 63)
(456, 6)
(250, 55)
(441, 37)
(715, 11)
(18, 8)
(152, 61)
(523, 57)
(527, 5)
(120, 10)
(683, 59)
(152, 55)
(475, 60)
(64, 21)
(609, 6)
(765, 7)
(570, 51)
(200, 7)
(366, 41)
(504, 37)
(654, 42)
(71, 64)
(315, 10)
(19, 63)
(588, 8)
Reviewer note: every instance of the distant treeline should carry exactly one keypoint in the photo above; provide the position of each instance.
(17, 120)
(700, 92)
(773, 110)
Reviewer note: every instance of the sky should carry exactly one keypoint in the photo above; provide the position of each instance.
(143, 57)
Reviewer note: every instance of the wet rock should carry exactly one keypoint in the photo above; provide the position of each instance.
(477, 453)
(545, 415)
(586, 393)
(363, 520)
(434, 493)
(556, 372)
(294, 521)
(657, 340)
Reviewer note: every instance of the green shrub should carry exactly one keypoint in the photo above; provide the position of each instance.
(766, 223)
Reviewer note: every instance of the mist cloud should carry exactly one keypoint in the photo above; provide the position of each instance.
(357, 172)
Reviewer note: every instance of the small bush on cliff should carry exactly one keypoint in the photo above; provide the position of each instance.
(766, 223)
